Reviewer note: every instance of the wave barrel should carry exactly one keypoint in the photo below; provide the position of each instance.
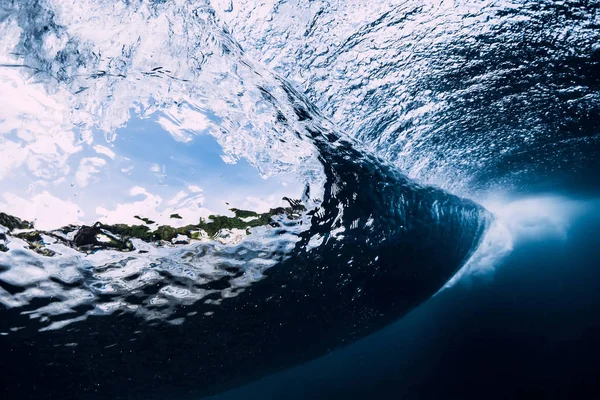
(376, 246)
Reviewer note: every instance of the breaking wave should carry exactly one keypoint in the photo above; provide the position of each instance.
(368, 115)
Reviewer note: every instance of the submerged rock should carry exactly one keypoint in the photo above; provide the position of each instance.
(118, 236)
(12, 223)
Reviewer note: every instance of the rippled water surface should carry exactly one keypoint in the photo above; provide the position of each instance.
(197, 194)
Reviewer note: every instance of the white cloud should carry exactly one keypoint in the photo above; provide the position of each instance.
(263, 204)
(45, 210)
(157, 169)
(182, 122)
(13, 155)
(187, 205)
(46, 139)
(88, 167)
(105, 151)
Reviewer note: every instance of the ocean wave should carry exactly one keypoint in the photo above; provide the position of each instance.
(472, 96)
(158, 295)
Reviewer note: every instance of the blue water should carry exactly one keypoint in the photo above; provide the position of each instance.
(532, 331)
(397, 122)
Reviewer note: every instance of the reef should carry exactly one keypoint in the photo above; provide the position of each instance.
(100, 236)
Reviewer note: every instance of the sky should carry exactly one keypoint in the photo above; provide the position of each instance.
(144, 170)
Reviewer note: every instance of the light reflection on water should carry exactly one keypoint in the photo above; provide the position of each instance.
(145, 171)
(109, 107)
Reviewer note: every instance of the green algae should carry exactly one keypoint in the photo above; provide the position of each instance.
(243, 213)
(13, 223)
(36, 242)
(146, 220)
(40, 249)
(118, 236)
(30, 237)
(129, 231)
(87, 237)
(165, 232)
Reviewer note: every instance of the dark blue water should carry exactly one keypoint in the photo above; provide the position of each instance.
(475, 98)
(533, 331)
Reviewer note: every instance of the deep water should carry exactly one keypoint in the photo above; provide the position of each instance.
(531, 331)
(410, 142)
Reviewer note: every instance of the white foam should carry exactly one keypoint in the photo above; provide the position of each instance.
(517, 219)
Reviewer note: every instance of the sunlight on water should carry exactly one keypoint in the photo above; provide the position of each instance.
(518, 220)
(244, 177)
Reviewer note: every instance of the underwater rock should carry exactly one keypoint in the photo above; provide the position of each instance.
(118, 236)
(12, 223)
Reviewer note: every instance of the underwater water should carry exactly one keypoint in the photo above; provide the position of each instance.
(530, 331)
(291, 199)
